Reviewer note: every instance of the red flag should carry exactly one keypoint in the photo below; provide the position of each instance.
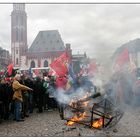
(63, 58)
(51, 72)
(60, 64)
(123, 57)
(10, 69)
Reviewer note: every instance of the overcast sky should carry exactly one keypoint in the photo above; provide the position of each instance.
(97, 29)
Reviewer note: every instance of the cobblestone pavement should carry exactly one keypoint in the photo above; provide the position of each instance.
(50, 124)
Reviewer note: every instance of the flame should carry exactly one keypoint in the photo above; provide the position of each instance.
(76, 119)
(81, 116)
(98, 123)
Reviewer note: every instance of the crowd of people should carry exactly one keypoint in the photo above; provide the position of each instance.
(21, 95)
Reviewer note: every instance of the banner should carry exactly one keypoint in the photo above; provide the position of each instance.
(60, 65)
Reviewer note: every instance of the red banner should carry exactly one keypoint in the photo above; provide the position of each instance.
(60, 64)
(10, 69)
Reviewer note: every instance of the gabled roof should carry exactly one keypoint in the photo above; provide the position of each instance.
(47, 41)
(132, 46)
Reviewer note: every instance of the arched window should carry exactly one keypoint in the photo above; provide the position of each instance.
(45, 63)
(32, 64)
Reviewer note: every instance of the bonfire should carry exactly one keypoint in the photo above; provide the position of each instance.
(96, 113)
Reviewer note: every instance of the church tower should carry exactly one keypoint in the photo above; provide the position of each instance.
(18, 33)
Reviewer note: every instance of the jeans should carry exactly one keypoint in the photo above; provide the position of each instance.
(18, 107)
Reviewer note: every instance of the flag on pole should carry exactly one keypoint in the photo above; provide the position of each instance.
(60, 65)
(10, 69)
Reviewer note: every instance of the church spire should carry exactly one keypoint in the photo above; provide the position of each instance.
(18, 33)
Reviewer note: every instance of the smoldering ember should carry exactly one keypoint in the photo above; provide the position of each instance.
(52, 88)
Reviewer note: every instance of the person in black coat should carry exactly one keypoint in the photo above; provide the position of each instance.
(8, 98)
(5, 94)
(29, 83)
(39, 92)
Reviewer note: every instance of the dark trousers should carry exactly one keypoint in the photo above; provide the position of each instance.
(1, 111)
(40, 103)
(31, 103)
(45, 101)
(25, 105)
(6, 110)
(18, 108)
(52, 103)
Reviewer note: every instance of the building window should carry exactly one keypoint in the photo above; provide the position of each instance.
(45, 63)
(16, 51)
(16, 61)
(32, 64)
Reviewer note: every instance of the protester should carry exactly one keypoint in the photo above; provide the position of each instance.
(52, 91)
(17, 97)
(46, 94)
(39, 92)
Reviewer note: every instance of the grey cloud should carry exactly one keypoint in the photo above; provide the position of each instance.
(5, 26)
(97, 29)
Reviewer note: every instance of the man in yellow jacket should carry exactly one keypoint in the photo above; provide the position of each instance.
(17, 97)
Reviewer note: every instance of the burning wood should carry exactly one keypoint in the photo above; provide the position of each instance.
(95, 115)
(98, 123)
(76, 118)
(84, 99)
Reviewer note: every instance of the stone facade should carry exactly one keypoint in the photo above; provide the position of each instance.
(46, 47)
(18, 33)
